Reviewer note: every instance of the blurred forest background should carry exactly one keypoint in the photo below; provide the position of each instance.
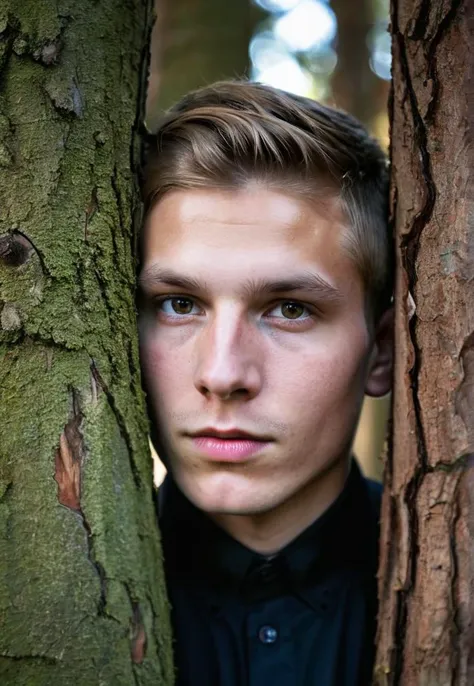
(335, 51)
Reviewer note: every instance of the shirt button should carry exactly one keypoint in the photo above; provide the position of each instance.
(268, 634)
(267, 572)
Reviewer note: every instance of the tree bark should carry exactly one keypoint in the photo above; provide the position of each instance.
(201, 41)
(82, 596)
(426, 585)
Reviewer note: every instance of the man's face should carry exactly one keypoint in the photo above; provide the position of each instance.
(287, 363)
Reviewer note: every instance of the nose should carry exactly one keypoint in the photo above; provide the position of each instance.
(228, 360)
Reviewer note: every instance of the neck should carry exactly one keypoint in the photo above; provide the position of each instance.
(268, 532)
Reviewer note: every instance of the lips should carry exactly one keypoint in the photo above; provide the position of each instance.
(230, 445)
(228, 434)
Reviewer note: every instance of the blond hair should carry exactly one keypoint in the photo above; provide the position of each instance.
(233, 132)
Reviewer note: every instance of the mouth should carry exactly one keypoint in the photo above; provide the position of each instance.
(228, 433)
(232, 445)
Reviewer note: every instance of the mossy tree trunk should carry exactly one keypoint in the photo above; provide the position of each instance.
(426, 629)
(82, 597)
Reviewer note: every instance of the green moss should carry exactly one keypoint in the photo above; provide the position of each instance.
(68, 579)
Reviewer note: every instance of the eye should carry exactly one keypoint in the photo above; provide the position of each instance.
(290, 309)
(175, 305)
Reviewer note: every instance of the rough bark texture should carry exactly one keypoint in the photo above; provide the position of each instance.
(201, 41)
(82, 598)
(426, 632)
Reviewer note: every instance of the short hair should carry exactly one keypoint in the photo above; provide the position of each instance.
(233, 132)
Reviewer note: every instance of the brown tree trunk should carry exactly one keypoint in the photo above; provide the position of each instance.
(82, 593)
(426, 586)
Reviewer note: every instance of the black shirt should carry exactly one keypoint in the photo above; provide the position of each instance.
(304, 617)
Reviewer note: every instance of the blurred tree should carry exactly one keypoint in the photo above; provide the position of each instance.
(82, 598)
(426, 632)
(355, 86)
(198, 42)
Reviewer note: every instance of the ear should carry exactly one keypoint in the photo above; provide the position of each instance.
(379, 378)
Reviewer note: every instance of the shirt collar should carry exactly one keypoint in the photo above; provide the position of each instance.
(198, 551)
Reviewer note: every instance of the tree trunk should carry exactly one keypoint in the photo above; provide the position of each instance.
(426, 630)
(201, 41)
(82, 596)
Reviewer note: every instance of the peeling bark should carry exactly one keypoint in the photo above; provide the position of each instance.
(82, 592)
(426, 577)
(138, 636)
(68, 463)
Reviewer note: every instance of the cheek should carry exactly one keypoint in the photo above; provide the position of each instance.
(163, 366)
(324, 385)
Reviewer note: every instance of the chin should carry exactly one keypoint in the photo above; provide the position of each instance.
(229, 494)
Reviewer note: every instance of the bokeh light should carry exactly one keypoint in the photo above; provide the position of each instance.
(309, 24)
(380, 46)
(292, 50)
(276, 5)
(286, 74)
(266, 50)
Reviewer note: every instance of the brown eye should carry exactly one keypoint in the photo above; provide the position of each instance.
(180, 306)
(292, 310)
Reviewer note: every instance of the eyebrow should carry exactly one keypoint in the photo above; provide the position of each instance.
(307, 281)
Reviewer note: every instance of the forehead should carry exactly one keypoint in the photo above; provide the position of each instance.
(228, 233)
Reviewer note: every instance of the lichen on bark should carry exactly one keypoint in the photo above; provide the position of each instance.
(82, 595)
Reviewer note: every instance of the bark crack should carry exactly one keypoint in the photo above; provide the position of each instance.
(91, 209)
(27, 658)
(102, 602)
(5, 491)
(139, 131)
(409, 247)
(431, 61)
(409, 250)
(69, 460)
(122, 424)
(456, 632)
(464, 398)
(118, 200)
(9, 35)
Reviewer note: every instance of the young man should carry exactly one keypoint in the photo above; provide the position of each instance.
(265, 315)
